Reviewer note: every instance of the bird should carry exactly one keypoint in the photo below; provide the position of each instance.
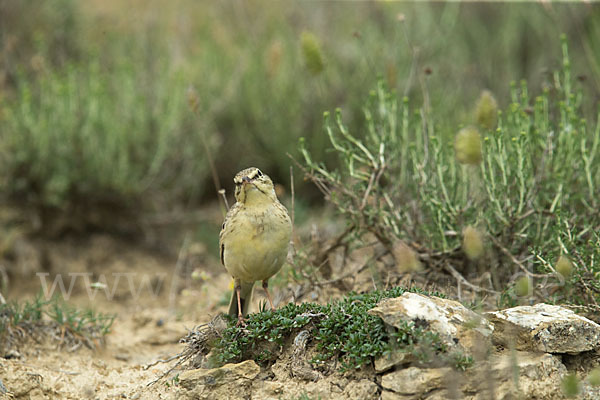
(254, 238)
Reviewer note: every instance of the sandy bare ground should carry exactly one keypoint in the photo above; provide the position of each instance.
(156, 297)
(153, 313)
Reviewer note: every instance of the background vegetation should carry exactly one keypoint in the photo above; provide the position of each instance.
(94, 110)
(499, 202)
(108, 112)
(453, 148)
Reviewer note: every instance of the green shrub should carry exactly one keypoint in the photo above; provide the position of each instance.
(400, 177)
(261, 85)
(87, 140)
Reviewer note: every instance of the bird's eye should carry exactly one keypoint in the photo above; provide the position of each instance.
(258, 173)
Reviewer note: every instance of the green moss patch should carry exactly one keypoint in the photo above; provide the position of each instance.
(341, 331)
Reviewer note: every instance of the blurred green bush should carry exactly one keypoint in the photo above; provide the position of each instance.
(84, 139)
(93, 112)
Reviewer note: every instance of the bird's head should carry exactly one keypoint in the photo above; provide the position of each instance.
(253, 187)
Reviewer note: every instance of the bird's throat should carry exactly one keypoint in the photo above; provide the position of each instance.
(254, 197)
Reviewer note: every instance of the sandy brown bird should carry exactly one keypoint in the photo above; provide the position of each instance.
(254, 238)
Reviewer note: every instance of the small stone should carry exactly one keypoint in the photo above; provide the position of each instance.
(228, 373)
(388, 395)
(533, 365)
(266, 390)
(510, 374)
(386, 362)
(12, 354)
(415, 381)
(362, 389)
(122, 357)
(165, 336)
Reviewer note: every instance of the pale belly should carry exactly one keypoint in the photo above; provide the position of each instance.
(255, 253)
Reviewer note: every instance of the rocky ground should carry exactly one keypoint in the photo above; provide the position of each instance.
(519, 353)
(523, 352)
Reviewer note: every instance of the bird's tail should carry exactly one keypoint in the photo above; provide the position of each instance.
(245, 299)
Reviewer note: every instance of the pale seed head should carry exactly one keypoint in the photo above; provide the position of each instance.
(472, 243)
(522, 286)
(273, 57)
(311, 50)
(594, 377)
(405, 257)
(564, 266)
(570, 385)
(486, 110)
(467, 145)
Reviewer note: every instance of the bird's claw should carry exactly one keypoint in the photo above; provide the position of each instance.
(241, 322)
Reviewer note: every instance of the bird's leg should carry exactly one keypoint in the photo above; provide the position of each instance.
(238, 290)
(265, 285)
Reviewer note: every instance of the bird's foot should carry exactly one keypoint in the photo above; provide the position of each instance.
(241, 321)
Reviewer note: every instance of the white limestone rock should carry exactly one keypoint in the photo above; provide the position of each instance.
(538, 376)
(544, 328)
(457, 325)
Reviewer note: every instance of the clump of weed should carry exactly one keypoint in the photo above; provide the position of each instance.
(40, 319)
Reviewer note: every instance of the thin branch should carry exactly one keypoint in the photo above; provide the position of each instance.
(461, 279)
(515, 260)
(338, 241)
(293, 194)
(194, 101)
(222, 193)
(323, 187)
(178, 268)
(292, 253)
(355, 271)
(3, 282)
(159, 361)
(373, 180)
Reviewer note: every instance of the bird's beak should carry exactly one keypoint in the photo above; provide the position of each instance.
(246, 180)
